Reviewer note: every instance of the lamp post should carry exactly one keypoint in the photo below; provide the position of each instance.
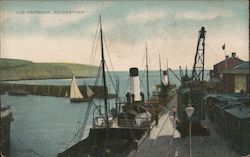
(189, 110)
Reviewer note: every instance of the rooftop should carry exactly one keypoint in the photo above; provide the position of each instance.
(231, 61)
(244, 65)
(242, 68)
(240, 112)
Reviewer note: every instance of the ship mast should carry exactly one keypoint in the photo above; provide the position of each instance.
(104, 77)
(147, 71)
(167, 70)
(160, 67)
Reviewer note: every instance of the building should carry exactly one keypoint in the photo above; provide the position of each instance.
(238, 77)
(228, 63)
(231, 75)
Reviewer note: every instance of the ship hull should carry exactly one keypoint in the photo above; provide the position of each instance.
(6, 118)
(121, 141)
(76, 100)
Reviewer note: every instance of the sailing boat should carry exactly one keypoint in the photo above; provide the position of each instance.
(90, 93)
(108, 137)
(76, 95)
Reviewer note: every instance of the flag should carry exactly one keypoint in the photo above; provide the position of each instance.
(223, 47)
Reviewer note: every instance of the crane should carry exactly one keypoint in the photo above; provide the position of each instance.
(198, 68)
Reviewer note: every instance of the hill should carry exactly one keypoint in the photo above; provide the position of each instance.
(13, 69)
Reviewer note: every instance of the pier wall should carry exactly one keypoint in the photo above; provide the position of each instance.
(50, 90)
(6, 118)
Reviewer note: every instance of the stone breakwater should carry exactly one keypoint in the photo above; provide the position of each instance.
(49, 90)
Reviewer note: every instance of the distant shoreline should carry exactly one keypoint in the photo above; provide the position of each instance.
(15, 70)
(82, 77)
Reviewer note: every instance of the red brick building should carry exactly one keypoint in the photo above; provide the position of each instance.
(231, 75)
(228, 63)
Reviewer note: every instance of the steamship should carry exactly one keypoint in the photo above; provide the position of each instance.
(120, 132)
(115, 134)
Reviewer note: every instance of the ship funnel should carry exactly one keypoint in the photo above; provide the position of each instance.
(135, 84)
(165, 78)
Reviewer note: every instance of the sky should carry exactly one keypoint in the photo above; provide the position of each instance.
(65, 31)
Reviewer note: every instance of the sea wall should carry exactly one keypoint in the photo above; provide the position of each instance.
(50, 90)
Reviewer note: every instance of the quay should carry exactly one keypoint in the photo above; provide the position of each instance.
(165, 141)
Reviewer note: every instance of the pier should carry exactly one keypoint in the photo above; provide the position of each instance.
(165, 141)
(49, 90)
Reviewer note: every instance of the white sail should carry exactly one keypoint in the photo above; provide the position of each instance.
(74, 90)
(66, 94)
(90, 93)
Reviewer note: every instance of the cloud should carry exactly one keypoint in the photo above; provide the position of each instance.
(77, 49)
(145, 16)
(125, 38)
(53, 18)
(47, 49)
(200, 15)
(59, 18)
(106, 26)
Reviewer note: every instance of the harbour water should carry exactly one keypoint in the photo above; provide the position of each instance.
(44, 125)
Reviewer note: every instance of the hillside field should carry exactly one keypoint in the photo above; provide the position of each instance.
(14, 69)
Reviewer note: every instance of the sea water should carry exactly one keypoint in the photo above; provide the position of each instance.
(44, 125)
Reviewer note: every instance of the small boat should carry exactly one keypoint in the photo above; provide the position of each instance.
(143, 117)
(89, 92)
(76, 95)
(99, 120)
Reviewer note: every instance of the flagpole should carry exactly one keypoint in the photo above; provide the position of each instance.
(224, 50)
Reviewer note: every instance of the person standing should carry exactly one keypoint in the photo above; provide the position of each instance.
(156, 119)
(174, 111)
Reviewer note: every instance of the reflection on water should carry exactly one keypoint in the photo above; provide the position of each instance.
(45, 124)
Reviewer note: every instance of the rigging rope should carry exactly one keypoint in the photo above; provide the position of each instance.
(141, 80)
(84, 122)
(143, 59)
(127, 86)
(93, 52)
(108, 53)
(26, 146)
(112, 82)
(98, 75)
(100, 112)
(77, 128)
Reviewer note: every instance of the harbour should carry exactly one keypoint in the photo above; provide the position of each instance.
(125, 79)
(47, 118)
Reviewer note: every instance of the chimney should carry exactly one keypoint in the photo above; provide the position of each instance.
(135, 84)
(227, 57)
(233, 55)
(165, 77)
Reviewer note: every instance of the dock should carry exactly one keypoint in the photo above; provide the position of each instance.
(6, 118)
(165, 141)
